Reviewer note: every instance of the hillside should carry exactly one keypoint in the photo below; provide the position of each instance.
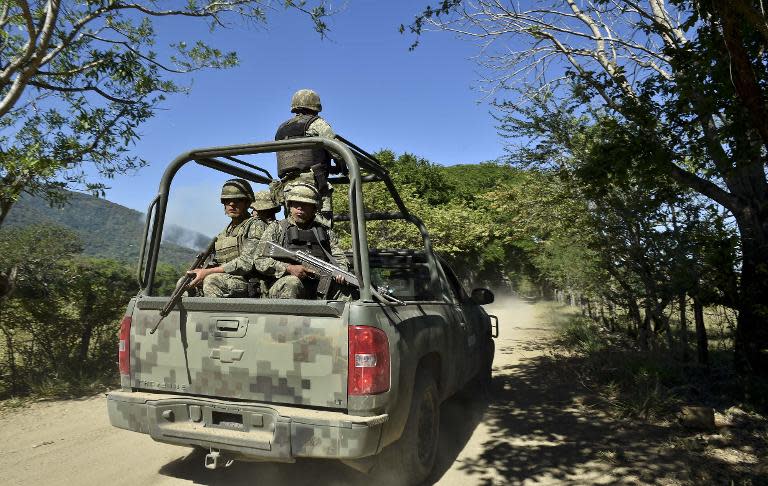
(106, 229)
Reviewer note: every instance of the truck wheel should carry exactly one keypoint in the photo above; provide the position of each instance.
(410, 459)
(480, 385)
(485, 376)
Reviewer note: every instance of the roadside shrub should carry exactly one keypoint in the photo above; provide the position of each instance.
(635, 384)
(582, 335)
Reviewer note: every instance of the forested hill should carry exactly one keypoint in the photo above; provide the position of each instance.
(105, 229)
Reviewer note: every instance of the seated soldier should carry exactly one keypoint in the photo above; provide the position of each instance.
(299, 231)
(236, 246)
(264, 208)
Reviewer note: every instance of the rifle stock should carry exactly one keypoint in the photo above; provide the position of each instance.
(178, 292)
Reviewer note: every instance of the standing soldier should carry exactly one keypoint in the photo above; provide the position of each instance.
(299, 231)
(235, 248)
(310, 166)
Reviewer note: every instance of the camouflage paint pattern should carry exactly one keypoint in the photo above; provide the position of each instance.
(276, 433)
(306, 98)
(275, 358)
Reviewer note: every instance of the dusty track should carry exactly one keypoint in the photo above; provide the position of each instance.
(534, 430)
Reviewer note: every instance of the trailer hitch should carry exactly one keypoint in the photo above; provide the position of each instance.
(214, 460)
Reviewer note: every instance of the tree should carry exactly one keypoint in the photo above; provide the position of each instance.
(690, 78)
(34, 256)
(630, 236)
(78, 77)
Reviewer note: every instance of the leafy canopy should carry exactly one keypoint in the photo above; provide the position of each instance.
(77, 79)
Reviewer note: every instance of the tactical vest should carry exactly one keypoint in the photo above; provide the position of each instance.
(314, 241)
(299, 160)
(228, 247)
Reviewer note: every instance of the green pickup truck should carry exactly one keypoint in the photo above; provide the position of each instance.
(259, 379)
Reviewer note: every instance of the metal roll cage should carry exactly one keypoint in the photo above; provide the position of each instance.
(354, 157)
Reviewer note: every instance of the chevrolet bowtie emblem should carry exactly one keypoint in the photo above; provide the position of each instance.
(227, 354)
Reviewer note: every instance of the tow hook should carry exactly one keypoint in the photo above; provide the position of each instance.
(215, 460)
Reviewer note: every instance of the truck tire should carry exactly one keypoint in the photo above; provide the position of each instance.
(481, 384)
(409, 460)
(485, 375)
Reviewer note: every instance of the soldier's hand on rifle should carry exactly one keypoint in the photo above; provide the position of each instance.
(339, 278)
(201, 273)
(299, 271)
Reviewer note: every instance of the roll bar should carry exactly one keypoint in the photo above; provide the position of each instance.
(354, 158)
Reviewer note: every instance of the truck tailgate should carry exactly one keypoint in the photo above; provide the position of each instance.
(273, 351)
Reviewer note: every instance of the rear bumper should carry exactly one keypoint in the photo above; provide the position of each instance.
(247, 430)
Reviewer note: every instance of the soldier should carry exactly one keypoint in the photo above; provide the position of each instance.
(264, 208)
(299, 231)
(310, 166)
(235, 248)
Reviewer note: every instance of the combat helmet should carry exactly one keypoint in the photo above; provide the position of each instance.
(306, 98)
(301, 192)
(262, 201)
(237, 189)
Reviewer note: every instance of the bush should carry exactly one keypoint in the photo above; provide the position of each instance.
(635, 384)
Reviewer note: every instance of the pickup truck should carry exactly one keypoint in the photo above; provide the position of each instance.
(358, 380)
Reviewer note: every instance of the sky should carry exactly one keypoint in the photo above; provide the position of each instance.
(374, 91)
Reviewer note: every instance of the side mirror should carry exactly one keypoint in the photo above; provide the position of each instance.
(482, 296)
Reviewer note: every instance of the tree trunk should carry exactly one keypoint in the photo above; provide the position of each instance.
(10, 355)
(702, 343)
(751, 344)
(604, 320)
(642, 331)
(634, 313)
(5, 208)
(661, 323)
(683, 329)
(85, 337)
(612, 315)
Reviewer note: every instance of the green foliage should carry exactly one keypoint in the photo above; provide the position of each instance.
(634, 384)
(59, 323)
(583, 336)
(167, 275)
(423, 177)
(469, 181)
(449, 200)
(34, 251)
(602, 219)
(78, 79)
(105, 229)
(691, 109)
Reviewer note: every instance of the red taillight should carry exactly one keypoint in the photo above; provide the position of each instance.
(124, 348)
(368, 361)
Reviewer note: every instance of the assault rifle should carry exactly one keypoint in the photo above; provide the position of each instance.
(325, 271)
(182, 285)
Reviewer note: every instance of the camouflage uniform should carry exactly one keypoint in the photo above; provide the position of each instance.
(308, 99)
(285, 285)
(236, 247)
(263, 201)
(234, 281)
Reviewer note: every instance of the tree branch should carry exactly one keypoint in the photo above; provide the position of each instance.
(68, 89)
(34, 61)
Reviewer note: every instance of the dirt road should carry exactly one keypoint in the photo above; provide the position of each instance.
(533, 430)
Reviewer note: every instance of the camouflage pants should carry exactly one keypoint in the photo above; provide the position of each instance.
(225, 285)
(290, 287)
(287, 287)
